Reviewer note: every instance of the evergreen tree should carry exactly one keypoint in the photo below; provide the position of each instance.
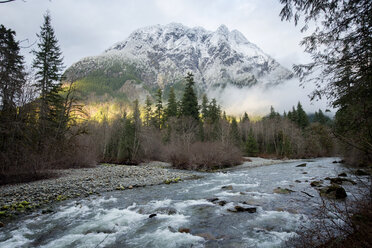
(234, 133)
(245, 117)
(171, 110)
(189, 105)
(204, 108)
(302, 118)
(148, 111)
(214, 111)
(48, 66)
(251, 146)
(12, 76)
(159, 109)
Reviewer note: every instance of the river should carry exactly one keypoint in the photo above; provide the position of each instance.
(193, 213)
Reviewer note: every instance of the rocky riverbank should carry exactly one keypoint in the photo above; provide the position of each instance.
(74, 183)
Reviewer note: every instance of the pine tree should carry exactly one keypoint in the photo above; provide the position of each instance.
(251, 146)
(12, 76)
(189, 105)
(148, 111)
(245, 117)
(234, 133)
(159, 109)
(48, 66)
(302, 118)
(204, 108)
(171, 110)
(214, 111)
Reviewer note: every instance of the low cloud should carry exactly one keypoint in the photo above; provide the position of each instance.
(257, 100)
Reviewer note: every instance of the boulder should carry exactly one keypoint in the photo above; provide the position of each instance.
(316, 183)
(183, 230)
(334, 191)
(297, 181)
(212, 199)
(222, 203)
(301, 165)
(152, 215)
(360, 172)
(243, 209)
(343, 174)
(227, 187)
(280, 190)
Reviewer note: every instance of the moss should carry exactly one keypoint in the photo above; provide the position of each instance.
(172, 180)
(25, 203)
(5, 207)
(20, 206)
(61, 198)
(120, 187)
(3, 213)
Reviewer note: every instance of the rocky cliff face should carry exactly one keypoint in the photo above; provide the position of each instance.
(162, 55)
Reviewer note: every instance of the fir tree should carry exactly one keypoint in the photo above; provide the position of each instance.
(159, 109)
(12, 76)
(214, 111)
(234, 133)
(245, 117)
(48, 66)
(302, 118)
(148, 111)
(189, 105)
(251, 146)
(171, 110)
(204, 108)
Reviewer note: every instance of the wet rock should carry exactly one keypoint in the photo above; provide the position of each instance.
(280, 190)
(297, 181)
(343, 174)
(360, 172)
(152, 215)
(2, 224)
(304, 172)
(242, 209)
(301, 165)
(212, 199)
(183, 230)
(316, 183)
(339, 180)
(242, 193)
(228, 187)
(334, 191)
(222, 203)
(47, 211)
(172, 229)
(207, 236)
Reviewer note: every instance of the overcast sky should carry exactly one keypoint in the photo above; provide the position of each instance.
(88, 27)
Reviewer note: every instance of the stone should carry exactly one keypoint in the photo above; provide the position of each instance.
(152, 215)
(280, 190)
(228, 187)
(297, 181)
(212, 199)
(316, 183)
(360, 172)
(243, 209)
(222, 203)
(301, 165)
(183, 230)
(334, 191)
(2, 224)
(343, 174)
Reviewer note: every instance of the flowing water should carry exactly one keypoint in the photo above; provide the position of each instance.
(121, 218)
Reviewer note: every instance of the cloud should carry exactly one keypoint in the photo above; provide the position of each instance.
(258, 99)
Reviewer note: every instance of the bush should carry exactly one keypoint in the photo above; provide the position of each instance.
(203, 156)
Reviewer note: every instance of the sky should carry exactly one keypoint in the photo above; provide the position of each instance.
(88, 27)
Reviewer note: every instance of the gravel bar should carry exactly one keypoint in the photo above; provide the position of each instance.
(75, 183)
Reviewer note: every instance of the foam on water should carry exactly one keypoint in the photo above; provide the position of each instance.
(164, 238)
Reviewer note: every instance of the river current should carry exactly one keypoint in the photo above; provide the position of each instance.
(192, 213)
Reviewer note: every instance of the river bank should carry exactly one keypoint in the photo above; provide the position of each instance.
(24, 198)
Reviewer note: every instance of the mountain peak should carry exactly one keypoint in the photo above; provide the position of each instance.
(163, 54)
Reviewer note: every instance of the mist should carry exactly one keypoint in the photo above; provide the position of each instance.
(256, 101)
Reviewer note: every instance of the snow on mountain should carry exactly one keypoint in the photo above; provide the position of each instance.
(163, 54)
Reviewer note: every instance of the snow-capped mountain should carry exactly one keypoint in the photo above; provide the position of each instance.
(161, 55)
